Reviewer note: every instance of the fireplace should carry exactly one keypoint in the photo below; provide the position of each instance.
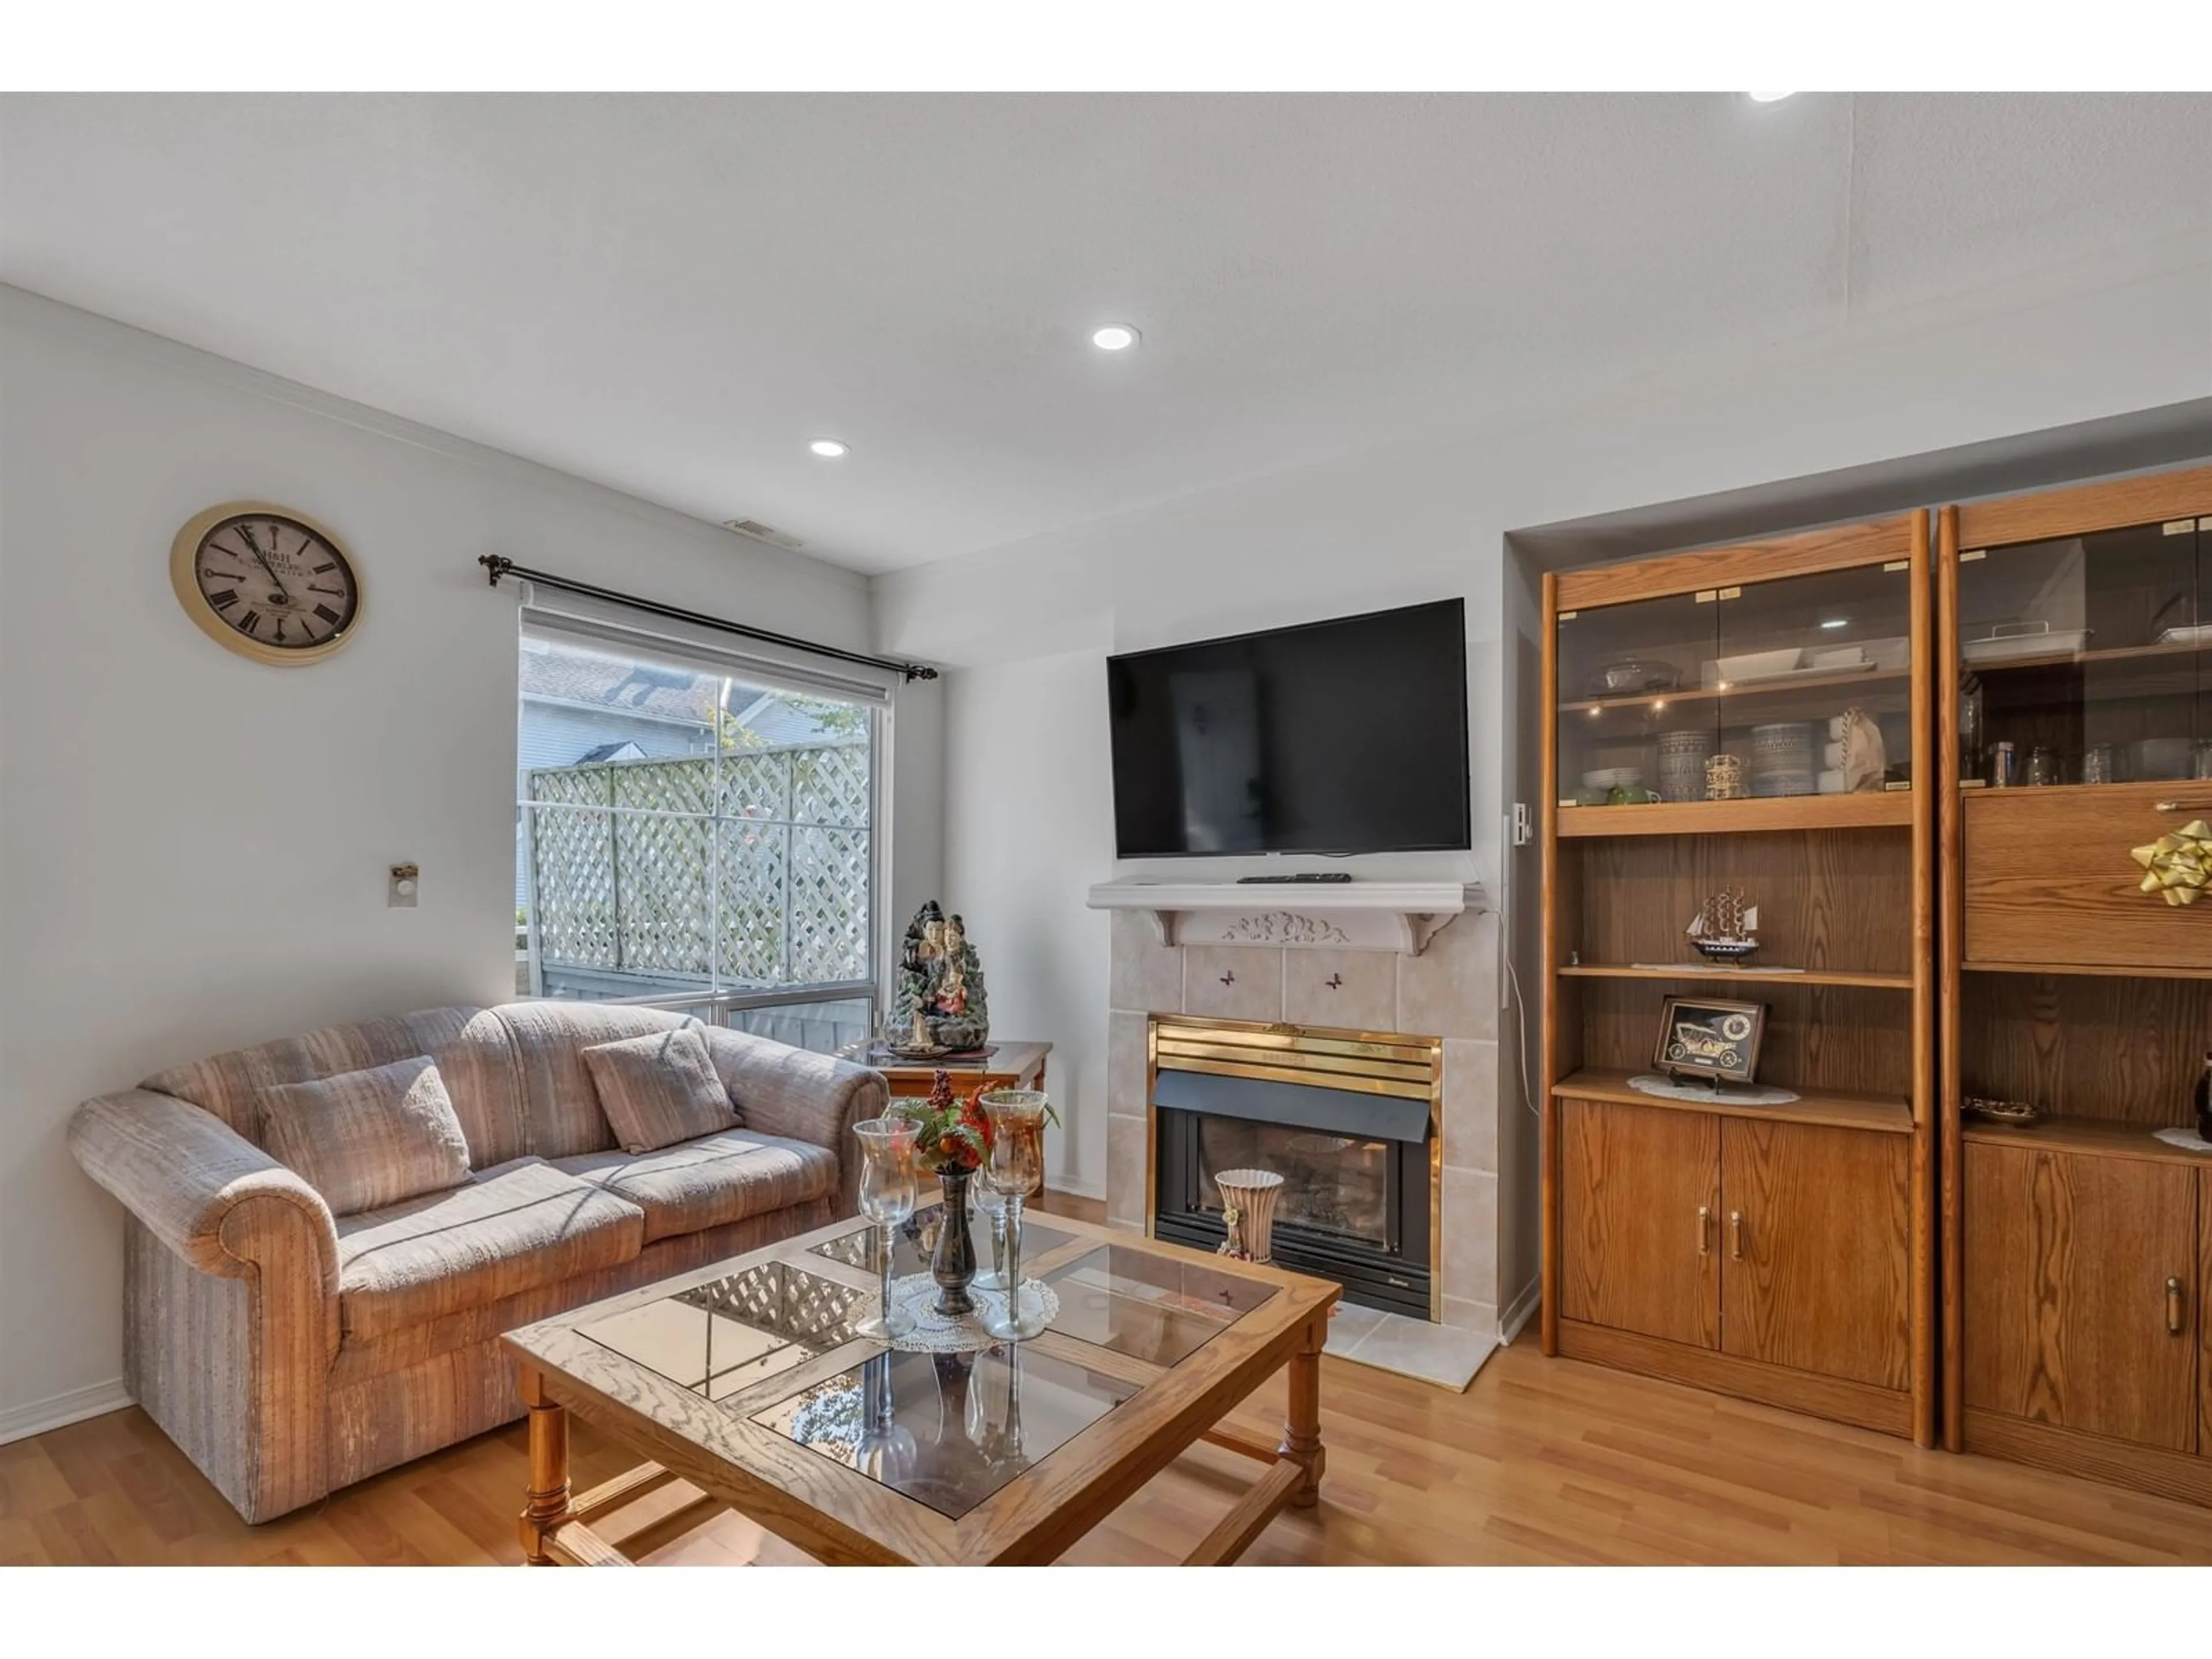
(1347, 1119)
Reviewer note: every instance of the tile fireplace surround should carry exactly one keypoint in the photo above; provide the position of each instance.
(1450, 990)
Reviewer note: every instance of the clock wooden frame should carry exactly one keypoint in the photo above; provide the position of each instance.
(184, 553)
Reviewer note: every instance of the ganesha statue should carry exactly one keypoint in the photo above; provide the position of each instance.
(939, 1002)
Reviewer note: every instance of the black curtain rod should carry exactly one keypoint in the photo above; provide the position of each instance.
(497, 567)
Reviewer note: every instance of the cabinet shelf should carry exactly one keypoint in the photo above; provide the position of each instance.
(1705, 973)
(1865, 810)
(2094, 1137)
(1884, 1114)
(2068, 658)
(1772, 688)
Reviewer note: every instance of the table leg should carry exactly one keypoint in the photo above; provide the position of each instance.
(1302, 1422)
(546, 1504)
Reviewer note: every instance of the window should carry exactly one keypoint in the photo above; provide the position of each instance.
(694, 835)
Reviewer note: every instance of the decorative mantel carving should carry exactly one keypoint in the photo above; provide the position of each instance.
(1355, 915)
(1282, 928)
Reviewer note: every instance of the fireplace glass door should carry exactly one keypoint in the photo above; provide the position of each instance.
(1336, 1185)
(1353, 1207)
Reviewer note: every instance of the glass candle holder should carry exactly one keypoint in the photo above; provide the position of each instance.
(890, 1178)
(1015, 1171)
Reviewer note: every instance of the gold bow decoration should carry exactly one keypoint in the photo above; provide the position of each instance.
(2178, 866)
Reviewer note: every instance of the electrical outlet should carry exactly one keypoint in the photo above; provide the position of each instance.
(1523, 831)
(405, 887)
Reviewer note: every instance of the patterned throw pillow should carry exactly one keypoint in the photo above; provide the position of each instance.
(364, 1139)
(659, 1088)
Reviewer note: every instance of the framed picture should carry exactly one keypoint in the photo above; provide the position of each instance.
(1703, 1036)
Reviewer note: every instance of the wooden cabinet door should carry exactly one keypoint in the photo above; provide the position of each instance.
(2070, 1317)
(1815, 1222)
(2048, 878)
(1634, 1252)
(2203, 1325)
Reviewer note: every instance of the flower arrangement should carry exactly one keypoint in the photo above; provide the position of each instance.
(955, 1133)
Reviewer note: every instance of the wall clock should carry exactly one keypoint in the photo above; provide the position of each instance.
(269, 583)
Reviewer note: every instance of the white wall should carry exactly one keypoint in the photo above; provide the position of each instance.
(193, 847)
(1396, 527)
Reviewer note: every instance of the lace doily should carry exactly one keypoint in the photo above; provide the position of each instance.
(934, 1332)
(2188, 1139)
(1738, 1094)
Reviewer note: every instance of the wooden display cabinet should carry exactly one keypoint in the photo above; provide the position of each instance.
(1783, 1253)
(2074, 1251)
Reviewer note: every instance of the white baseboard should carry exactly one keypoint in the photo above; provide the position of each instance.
(96, 1399)
(1075, 1188)
(1520, 1310)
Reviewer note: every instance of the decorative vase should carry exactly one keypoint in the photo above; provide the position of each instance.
(1252, 1194)
(952, 1264)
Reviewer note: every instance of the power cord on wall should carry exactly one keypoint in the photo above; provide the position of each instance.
(1520, 1027)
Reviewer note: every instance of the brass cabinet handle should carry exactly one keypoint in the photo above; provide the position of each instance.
(1736, 1235)
(1704, 1229)
(2173, 1309)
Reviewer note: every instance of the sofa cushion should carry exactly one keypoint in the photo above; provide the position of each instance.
(476, 1060)
(366, 1140)
(557, 1096)
(507, 1230)
(659, 1088)
(711, 1182)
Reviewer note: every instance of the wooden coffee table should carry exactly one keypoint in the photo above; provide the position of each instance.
(746, 1380)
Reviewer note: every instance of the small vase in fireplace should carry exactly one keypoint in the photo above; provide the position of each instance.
(1247, 1206)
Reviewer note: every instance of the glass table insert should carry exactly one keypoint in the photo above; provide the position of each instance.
(1146, 1304)
(913, 1239)
(719, 1337)
(947, 1430)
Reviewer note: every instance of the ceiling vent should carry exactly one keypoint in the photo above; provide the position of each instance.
(763, 532)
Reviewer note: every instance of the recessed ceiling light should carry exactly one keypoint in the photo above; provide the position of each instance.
(1769, 97)
(828, 448)
(1837, 621)
(1114, 337)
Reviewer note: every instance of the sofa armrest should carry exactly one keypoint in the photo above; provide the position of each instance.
(782, 1091)
(211, 1195)
(230, 1295)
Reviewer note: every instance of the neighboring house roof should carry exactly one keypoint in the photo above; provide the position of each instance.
(552, 673)
(560, 674)
(611, 751)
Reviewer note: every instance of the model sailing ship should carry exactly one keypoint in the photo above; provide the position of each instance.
(1725, 930)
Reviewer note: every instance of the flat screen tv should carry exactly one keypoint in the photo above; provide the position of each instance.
(1347, 736)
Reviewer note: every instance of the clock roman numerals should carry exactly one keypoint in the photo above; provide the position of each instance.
(266, 584)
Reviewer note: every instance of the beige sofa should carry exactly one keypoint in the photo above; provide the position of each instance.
(290, 1353)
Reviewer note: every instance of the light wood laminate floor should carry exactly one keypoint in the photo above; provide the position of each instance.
(1540, 1461)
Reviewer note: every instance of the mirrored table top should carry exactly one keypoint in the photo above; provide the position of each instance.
(946, 1430)
(914, 1238)
(721, 1337)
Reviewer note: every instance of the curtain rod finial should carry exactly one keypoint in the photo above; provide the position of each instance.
(494, 566)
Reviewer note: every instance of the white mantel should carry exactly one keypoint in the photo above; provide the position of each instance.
(1343, 916)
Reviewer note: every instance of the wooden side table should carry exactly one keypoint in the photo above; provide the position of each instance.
(1015, 1066)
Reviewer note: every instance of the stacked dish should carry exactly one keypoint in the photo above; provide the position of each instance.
(1682, 757)
(1781, 759)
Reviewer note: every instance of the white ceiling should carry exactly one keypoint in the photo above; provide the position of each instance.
(671, 294)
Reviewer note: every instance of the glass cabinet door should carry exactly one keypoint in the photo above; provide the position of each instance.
(1814, 682)
(1635, 721)
(2082, 659)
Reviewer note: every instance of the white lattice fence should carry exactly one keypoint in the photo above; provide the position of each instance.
(750, 867)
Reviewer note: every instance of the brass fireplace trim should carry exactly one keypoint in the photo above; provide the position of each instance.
(1370, 1062)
